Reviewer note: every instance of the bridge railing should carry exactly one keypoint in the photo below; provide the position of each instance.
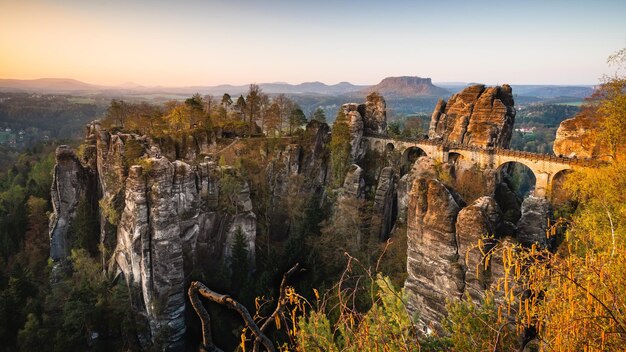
(497, 150)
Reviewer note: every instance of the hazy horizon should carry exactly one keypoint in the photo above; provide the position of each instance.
(129, 83)
(207, 43)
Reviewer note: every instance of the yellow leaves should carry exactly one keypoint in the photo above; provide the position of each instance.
(293, 318)
(277, 321)
(487, 260)
(242, 345)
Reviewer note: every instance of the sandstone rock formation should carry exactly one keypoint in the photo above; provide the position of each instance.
(385, 204)
(69, 187)
(476, 116)
(154, 250)
(165, 213)
(447, 248)
(434, 272)
(355, 123)
(314, 156)
(353, 183)
(160, 219)
(365, 119)
(375, 114)
(533, 224)
(475, 224)
(424, 167)
(577, 137)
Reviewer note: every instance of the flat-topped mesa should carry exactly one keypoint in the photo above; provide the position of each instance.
(477, 116)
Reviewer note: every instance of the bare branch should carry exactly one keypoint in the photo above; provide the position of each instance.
(205, 318)
(199, 288)
(280, 305)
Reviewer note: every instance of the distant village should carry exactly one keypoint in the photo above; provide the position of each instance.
(526, 130)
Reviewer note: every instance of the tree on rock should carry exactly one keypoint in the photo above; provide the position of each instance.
(319, 115)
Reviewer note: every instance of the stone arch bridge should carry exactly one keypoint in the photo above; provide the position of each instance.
(545, 167)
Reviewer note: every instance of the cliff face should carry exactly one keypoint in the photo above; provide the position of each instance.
(434, 274)
(448, 242)
(476, 116)
(70, 186)
(163, 217)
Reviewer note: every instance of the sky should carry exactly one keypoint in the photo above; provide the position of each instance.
(210, 42)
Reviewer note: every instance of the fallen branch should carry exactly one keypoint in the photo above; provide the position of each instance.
(197, 289)
(205, 318)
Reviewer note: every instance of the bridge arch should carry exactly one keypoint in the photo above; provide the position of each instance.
(409, 156)
(521, 178)
(378, 146)
(390, 147)
(455, 157)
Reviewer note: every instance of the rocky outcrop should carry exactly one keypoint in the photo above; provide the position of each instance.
(353, 184)
(533, 225)
(354, 118)
(385, 204)
(364, 119)
(160, 219)
(314, 156)
(69, 187)
(434, 272)
(476, 230)
(424, 167)
(578, 137)
(476, 116)
(168, 227)
(150, 244)
(375, 114)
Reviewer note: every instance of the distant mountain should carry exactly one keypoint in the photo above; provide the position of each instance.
(390, 87)
(407, 86)
(46, 85)
(281, 87)
(70, 86)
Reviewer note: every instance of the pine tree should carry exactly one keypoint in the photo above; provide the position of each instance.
(239, 262)
(319, 115)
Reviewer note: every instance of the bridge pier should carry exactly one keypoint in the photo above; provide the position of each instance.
(542, 184)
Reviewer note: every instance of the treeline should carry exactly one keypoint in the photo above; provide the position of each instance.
(549, 115)
(255, 113)
(57, 116)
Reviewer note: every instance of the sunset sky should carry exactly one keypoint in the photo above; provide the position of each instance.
(178, 43)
